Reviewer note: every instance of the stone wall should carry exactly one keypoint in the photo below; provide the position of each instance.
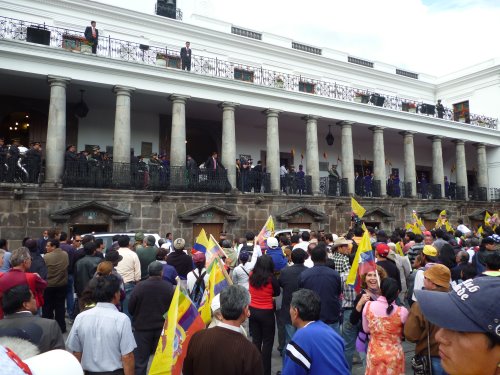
(27, 211)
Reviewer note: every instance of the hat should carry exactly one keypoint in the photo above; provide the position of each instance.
(113, 256)
(139, 236)
(31, 245)
(382, 249)
(199, 258)
(244, 256)
(215, 305)
(472, 307)
(179, 244)
(430, 251)
(341, 241)
(295, 230)
(272, 243)
(439, 274)
(150, 240)
(487, 241)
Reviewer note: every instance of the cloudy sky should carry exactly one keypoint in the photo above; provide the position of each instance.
(426, 36)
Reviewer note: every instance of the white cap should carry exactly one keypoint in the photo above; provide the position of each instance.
(272, 243)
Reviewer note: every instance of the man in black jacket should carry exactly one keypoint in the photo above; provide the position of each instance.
(92, 35)
(148, 303)
(186, 57)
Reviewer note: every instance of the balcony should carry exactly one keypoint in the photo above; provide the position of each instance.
(156, 56)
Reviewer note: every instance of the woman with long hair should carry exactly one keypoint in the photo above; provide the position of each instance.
(384, 321)
(263, 287)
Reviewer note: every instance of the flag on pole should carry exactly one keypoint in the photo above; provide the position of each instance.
(201, 243)
(357, 208)
(487, 218)
(183, 321)
(213, 251)
(217, 281)
(364, 262)
(266, 232)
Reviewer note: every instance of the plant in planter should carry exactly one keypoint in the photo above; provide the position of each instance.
(161, 59)
(85, 46)
(412, 107)
(279, 82)
(361, 97)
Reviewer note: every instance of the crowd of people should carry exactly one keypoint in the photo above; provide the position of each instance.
(438, 289)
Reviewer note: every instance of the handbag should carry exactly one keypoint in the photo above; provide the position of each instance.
(421, 364)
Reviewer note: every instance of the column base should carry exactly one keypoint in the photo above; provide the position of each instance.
(52, 184)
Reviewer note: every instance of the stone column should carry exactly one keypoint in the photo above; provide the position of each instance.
(409, 162)
(461, 166)
(121, 143)
(437, 162)
(229, 141)
(379, 158)
(178, 135)
(312, 157)
(347, 155)
(273, 149)
(56, 130)
(482, 166)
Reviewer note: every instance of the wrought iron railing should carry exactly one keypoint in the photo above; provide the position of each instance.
(291, 183)
(135, 52)
(142, 176)
(478, 193)
(253, 182)
(495, 194)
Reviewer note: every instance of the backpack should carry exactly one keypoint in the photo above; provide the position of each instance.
(196, 294)
(247, 248)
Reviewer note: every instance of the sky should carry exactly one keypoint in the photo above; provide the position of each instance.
(433, 37)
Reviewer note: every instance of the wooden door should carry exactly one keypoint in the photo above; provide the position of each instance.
(213, 229)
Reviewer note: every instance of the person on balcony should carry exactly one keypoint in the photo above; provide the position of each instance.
(186, 57)
(92, 36)
(301, 180)
(213, 166)
(34, 161)
(368, 183)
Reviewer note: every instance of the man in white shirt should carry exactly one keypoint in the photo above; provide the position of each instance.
(129, 268)
(304, 241)
(462, 228)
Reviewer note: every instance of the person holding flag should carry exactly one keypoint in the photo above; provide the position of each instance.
(266, 232)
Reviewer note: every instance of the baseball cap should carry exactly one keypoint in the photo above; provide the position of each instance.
(244, 256)
(272, 243)
(179, 244)
(382, 249)
(439, 274)
(430, 251)
(472, 307)
(139, 236)
(487, 241)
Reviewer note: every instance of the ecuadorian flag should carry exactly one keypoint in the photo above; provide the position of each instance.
(201, 243)
(364, 262)
(183, 321)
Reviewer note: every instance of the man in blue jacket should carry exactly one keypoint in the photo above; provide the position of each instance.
(274, 251)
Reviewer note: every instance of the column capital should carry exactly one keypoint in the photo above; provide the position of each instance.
(123, 90)
(376, 128)
(345, 123)
(177, 98)
(58, 81)
(310, 117)
(228, 105)
(436, 138)
(458, 141)
(479, 145)
(408, 133)
(272, 112)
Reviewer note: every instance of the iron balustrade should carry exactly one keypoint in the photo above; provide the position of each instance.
(291, 183)
(141, 176)
(495, 194)
(11, 28)
(478, 193)
(250, 181)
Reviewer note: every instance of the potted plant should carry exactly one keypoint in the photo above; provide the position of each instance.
(161, 59)
(86, 46)
(412, 107)
(279, 82)
(71, 42)
(361, 97)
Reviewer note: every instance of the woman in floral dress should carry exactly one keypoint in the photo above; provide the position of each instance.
(384, 320)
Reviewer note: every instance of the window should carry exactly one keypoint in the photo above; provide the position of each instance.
(246, 33)
(323, 166)
(306, 87)
(243, 75)
(461, 112)
(146, 149)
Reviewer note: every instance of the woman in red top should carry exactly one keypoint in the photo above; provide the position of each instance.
(263, 287)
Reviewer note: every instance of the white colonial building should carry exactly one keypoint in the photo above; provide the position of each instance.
(248, 94)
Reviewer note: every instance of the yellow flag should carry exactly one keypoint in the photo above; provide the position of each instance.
(487, 218)
(357, 208)
(399, 250)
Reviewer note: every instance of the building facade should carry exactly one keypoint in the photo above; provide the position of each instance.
(248, 95)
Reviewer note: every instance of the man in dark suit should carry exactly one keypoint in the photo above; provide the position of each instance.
(92, 36)
(19, 305)
(186, 57)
